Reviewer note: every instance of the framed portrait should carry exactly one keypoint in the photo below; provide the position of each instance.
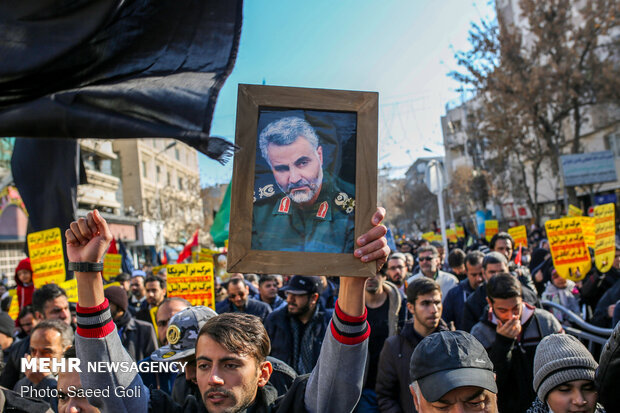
(304, 180)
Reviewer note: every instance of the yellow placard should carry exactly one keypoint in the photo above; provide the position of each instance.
(46, 257)
(157, 269)
(605, 234)
(574, 211)
(14, 307)
(437, 237)
(111, 266)
(451, 234)
(491, 227)
(429, 236)
(194, 282)
(114, 284)
(587, 227)
(206, 255)
(569, 251)
(519, 234)
(70, 288)
(460, 232)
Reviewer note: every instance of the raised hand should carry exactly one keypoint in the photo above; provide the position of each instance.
(373, 245)
(88, 238)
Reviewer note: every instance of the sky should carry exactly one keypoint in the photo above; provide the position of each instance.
(402, 49)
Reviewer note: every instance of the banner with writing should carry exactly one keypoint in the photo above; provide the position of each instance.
(429, 236)
(194, 282)
(491, 227)
(437, 237)
(206, 255)
(574, 211)
(460, 232)
(569, 251)
(111, 266)
(519, 234)
(605, 234)
(587, 227)
(14, 307)
(70, 288)
(451, 234)
(46, 257)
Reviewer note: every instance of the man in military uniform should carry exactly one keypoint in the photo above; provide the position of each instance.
(315, 213)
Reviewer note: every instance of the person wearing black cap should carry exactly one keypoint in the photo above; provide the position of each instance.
(7, 326)
(451, 371)
(137, 336)
(297, 330)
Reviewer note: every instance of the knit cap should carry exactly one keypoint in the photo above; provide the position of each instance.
(561, 358)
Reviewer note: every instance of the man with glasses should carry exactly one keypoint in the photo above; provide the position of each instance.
(297, 330)
(429, 260)
(239, 301)
(396, 271)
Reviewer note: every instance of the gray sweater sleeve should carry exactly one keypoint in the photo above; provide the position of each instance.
(335, 384)
(97, 340)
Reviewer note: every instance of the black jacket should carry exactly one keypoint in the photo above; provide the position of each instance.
(138, 337)
(281, 336)
(601, 317)
(392, 386)
(12, 367)
(253, 307)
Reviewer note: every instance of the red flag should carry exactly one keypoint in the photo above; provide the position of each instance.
(187, 251)
(113, 249)
(164, 257)
(518, 258)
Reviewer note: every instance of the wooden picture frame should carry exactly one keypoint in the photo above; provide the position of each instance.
(257, 102)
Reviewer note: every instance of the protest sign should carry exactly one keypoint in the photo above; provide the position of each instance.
(429, 236)
(194, 282)
(46, 257)
(14, 307)
(587, 227)
(437, 237)
(70, 288)
(519, 234)
(111, 266)
(206, 255)
(570, 254)
(574, 211)
(451, 234)
(158, 268)
(114, 284)
(605, 233)
(491, 227)
(460, 232)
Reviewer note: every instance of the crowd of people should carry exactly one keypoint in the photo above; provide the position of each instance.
(428, 333)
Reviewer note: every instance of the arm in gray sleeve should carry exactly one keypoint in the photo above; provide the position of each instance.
(97, 340)
(335, 384)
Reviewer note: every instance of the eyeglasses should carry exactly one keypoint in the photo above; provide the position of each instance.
(396, 267)
(426, 259)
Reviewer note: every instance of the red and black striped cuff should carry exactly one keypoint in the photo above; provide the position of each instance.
(349, 330)
(94, 322)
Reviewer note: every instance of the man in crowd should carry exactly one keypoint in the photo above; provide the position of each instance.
(386, 316)
(49, 303)
(137, 336)
(232, 348)
(71, 397)
(314, 213)
(397, 271)
(429, 260)
(510, 333)
(268, 290)
(456, 262)
(137, 300)
(454, 302)
(26, 321)
(297, 331)
(155, 295)
(7, 327)
(238, 301)
(451, 372)
(124, 280)
(493, 263)
(50, 339)
(392, 386)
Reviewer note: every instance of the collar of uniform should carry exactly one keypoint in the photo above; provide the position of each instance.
(321, 209)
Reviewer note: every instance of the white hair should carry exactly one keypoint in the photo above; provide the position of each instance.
(285, 131)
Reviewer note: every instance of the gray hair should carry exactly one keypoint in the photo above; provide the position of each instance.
(64, 329)
(416, 388)
(284, 132)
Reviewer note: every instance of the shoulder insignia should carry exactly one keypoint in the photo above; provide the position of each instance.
(322, 212)
(266, 191)
(345, 202)
(285, 204)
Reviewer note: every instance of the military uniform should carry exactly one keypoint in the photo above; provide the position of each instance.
(327, 226)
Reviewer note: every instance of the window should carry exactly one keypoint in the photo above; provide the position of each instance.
(176, 154)
(157, 172)
(612, 143)
(168, 179)
(180, 183)
(144, 174)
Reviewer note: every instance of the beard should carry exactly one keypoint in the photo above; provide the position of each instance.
(301, 197)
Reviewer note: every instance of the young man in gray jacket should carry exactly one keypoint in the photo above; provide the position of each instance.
(231, 365)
